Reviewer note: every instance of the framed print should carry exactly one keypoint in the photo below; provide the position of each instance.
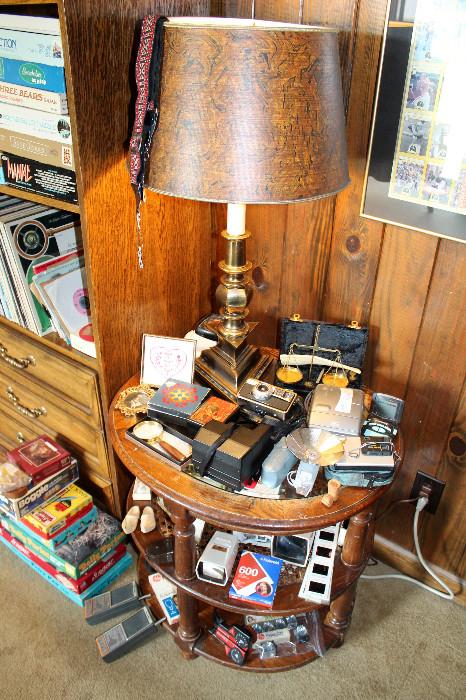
(167, 358)
(416, 167)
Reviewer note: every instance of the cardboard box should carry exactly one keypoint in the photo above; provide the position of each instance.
(41, 150)
(34, 122)
(29, 175)
(256, 579)
(29, 46)
(39, 493)
(58, 513)
(40, 458)
(33, 74)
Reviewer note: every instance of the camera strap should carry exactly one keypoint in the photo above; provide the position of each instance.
(211, 450)
(148, 73)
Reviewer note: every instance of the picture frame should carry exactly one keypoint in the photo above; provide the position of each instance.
(416, 166)
(166, 358)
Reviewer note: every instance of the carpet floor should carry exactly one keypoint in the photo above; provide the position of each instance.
(404, 643)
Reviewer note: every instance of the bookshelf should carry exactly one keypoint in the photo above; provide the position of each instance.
(99, 48)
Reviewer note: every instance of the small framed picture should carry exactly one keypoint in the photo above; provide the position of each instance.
(167, 358)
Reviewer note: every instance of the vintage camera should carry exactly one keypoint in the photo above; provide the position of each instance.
(266, 399)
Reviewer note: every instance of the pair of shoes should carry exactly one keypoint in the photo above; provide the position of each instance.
(131, 520)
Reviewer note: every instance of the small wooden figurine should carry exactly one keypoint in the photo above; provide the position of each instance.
(333, 487)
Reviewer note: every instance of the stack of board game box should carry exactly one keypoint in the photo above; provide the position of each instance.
(55, 527)
(35, 130)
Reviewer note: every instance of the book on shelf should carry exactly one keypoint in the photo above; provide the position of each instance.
(33, 74)
(38, 178)
(24, 45)
(29, 23)
(33, 98)
(34, 122)
(41, 150)
(29, 235)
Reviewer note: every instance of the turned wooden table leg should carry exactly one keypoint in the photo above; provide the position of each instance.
(356, 548)
(185, 562)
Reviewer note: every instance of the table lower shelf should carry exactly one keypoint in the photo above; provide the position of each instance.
(210, 648)
(287, 601)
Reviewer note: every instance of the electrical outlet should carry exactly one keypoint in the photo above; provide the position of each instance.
(426, 484)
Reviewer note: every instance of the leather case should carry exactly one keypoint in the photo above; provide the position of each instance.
(350, 341)
(238, 459)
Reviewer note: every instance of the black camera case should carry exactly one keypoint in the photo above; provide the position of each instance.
(351, 341)
(231, 454)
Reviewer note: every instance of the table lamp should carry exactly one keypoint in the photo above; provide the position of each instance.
(250, 112)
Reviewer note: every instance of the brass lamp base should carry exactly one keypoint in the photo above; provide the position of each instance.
(227, 366)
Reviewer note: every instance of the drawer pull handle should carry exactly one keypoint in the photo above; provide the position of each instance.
(20, 437)
(22, 363)
(29, 412)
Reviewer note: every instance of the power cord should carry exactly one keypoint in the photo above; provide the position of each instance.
(449, 595)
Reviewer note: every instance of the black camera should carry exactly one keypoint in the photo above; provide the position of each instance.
(264, 398)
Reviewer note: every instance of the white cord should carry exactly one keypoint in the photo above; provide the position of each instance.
(449, 595)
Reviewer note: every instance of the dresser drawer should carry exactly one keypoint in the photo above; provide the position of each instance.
(16, 429)
(21, 357)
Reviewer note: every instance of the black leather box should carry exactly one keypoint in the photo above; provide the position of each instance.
(206, 441)
(350, 341)
(240, 457)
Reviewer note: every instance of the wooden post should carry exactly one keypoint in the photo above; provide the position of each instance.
(355, 549)
(185, 552)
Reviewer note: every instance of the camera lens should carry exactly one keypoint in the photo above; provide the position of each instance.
(262, 391)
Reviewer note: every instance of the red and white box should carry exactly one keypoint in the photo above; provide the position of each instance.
(256, 579)
(40, 458)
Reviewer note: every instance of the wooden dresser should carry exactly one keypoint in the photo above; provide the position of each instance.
(44, 389)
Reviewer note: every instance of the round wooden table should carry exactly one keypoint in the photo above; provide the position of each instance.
(187, 498)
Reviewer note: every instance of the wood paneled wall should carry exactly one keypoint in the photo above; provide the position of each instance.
(326, 262)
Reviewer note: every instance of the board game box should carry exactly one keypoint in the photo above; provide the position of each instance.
(77, 555)
(77, 585)
(256, 579)
(40, 457)
(78, 524)
(40, 493)
(99, 585)
(57, 514)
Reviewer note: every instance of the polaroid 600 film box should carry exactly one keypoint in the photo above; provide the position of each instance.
(256, 579)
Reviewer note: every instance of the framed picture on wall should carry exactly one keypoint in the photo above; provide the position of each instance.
(416, 167)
